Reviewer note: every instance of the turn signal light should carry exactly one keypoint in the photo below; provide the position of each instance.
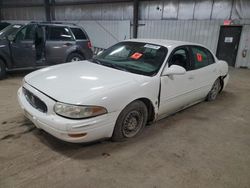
(77, 135)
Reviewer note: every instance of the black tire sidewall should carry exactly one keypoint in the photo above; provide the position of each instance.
(71, 56)
(209, 96)
(136, 105)
(2, 70)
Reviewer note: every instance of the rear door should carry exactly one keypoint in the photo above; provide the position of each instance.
(82, 41)
(204, 71)
(59, 40)
(23, 50)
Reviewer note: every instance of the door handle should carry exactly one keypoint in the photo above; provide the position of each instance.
(67, 44)
(191, 77)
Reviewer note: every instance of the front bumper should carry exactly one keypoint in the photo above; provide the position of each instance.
(95, 128)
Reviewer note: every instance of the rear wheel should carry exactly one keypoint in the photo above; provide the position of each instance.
(2, 70)
(131, 121)
(75, 57)
(214, 91)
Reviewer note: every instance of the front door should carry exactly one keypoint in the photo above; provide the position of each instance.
(228, 43)
(23, 50)
(176, 90)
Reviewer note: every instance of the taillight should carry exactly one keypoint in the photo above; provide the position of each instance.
(89, 45)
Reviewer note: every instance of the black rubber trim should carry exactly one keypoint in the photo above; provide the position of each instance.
(159, 94)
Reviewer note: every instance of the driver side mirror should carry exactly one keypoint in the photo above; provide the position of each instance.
(173, 70)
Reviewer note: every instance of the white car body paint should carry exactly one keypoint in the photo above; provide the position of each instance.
(86, 83)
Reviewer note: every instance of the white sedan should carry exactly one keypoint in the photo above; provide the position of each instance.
(115, 94)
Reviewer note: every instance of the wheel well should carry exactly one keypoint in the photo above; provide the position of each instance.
(150, 107)
(77, 52)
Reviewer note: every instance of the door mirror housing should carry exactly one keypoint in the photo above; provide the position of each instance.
(174, 70)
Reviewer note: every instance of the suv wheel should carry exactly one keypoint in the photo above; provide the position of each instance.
(75, 57)
(2, 70)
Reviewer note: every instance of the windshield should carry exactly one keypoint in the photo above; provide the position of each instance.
(11, 30)
(135, 57)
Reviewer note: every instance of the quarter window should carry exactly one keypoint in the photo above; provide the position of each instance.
(79, 34)
(59, 33)
(201, 57)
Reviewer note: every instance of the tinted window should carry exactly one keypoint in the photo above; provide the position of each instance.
(26, 33)
(11, 30)
(201, 57)
(79, 34)
(58, 33)
(210, 57)
(135, 57)
(180, 57)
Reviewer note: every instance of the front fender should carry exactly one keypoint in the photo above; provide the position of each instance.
(117, 98)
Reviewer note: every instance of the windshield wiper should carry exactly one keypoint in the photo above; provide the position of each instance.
(108, 64)
(115, 66)
(96, 61)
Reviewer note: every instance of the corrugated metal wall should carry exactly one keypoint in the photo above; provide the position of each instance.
(199, 9)
(148, 10)
(117, 11)
(244, 45)
(204, 32)
(24, 13)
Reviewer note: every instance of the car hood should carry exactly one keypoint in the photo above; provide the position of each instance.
(75, 82)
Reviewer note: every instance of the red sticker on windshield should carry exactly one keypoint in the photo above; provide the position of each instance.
(199, 57)
(136, 55)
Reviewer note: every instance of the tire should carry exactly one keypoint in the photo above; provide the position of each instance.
(2, 70)
(214, 91)
(131, 121)
(75, 57)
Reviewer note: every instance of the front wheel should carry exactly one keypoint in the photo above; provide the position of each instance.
(2, 70)
(75, 57)
(131, 121)
(214, 91)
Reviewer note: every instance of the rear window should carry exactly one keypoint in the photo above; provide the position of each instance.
(58, 33)
(79, 34)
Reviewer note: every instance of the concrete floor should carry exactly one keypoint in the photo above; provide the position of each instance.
(207, 145)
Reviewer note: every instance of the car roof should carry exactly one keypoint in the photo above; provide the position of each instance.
(164, 42)
(56, 24)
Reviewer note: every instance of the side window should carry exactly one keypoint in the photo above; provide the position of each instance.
(78, 33)
(180, 57)
(211, 59)
(26, 33)
(200, 56)
(58, 33)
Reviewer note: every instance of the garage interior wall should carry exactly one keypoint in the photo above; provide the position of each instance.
(107, 23)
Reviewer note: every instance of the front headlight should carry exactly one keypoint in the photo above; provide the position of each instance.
(78, 112)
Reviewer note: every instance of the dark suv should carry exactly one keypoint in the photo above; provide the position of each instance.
(36, 45)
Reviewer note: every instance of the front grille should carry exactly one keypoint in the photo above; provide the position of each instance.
(35, 101)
